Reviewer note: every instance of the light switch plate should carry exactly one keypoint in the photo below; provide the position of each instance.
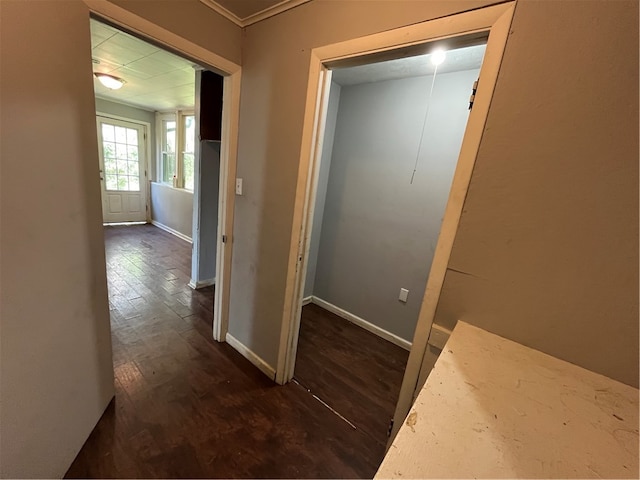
(238, 186)
(404, 294)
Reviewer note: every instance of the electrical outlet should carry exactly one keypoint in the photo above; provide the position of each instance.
(238, 186)
(404, 294)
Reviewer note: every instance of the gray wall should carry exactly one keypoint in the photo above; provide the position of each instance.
(56, 375)
(133, 113)
(208, 216)
(323, 180)
(380, 231)
(549, 231)
(172, 207)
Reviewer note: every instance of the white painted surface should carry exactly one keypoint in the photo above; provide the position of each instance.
(457, 60)
(155, 79)
(361, 322)
(172, 231)
(172, 208)
(56, 374)
(250, 355)
(493, 408)
(123, 111)
(129, 205)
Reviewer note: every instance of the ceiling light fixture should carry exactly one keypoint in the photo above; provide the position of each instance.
(109, 81)
(438, 56)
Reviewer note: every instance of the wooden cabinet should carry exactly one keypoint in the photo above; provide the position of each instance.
(211, 85)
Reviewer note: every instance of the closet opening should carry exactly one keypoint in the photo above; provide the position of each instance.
(390, 140)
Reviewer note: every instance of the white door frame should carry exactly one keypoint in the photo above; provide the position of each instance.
(229, 148)
(494, 21)
(147, 155)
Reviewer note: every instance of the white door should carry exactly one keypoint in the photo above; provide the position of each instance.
(122, 170)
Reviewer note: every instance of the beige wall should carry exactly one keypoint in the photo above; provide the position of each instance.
(548, 240)
(56, 376)
(193, 20)
(550, 229)
(275, 65)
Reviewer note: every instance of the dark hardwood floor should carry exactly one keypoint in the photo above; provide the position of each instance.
(355, 372)
(189, 407)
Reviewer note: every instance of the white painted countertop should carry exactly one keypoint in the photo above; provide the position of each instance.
(493, 408)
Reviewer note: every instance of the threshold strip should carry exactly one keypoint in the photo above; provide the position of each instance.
(325, 404)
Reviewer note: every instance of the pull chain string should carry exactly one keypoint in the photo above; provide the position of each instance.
(424, 124)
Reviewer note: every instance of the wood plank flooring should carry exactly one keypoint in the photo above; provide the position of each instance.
(189, 407)
(355, 372)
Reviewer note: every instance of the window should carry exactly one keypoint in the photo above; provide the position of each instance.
(168, 150)
(176, 161)
(189, 150)
(120, 153)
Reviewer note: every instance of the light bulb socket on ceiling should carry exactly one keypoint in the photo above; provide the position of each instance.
(438, 56)
(109, 81)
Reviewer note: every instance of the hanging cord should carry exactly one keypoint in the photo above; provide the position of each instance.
(424, 124)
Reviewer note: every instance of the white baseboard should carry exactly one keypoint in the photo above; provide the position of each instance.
(307, 300)
(172, 231)
(361, 322)
(202, 283)
(250, 355)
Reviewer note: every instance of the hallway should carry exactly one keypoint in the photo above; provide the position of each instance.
(187, 406)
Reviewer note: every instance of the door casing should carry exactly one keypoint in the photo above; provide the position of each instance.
(495, 22)
(144, 161)
(231, 72)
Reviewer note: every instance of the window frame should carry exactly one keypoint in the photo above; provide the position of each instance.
(179, 117)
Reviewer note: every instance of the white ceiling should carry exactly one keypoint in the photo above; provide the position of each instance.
(460, 59)
(155, 79)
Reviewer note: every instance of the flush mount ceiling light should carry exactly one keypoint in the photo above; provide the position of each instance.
(438, 56)
(109, 81)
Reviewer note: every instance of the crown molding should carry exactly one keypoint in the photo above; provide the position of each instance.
(256, 17)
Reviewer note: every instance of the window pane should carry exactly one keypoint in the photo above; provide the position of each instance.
(122, 167)
(189, 133)
(109, 166)
(109, 149)
(123, 183)
(132, 152)
(108, 134)
(133, 168)
(134, 184)
(169, 140)
(112, 182)
(121, 135)
(121, 151)
(132, 136)
(168, 167)
(188, 171)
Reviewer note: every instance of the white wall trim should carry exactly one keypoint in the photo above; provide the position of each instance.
(361, 322)
(202, 283)
(307, 300)
(250, 355)
(256, 17)
(161, 226)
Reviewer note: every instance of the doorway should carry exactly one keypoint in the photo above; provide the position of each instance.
(492, 24)
(392, 137)
(122, 155)
(127, 21)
